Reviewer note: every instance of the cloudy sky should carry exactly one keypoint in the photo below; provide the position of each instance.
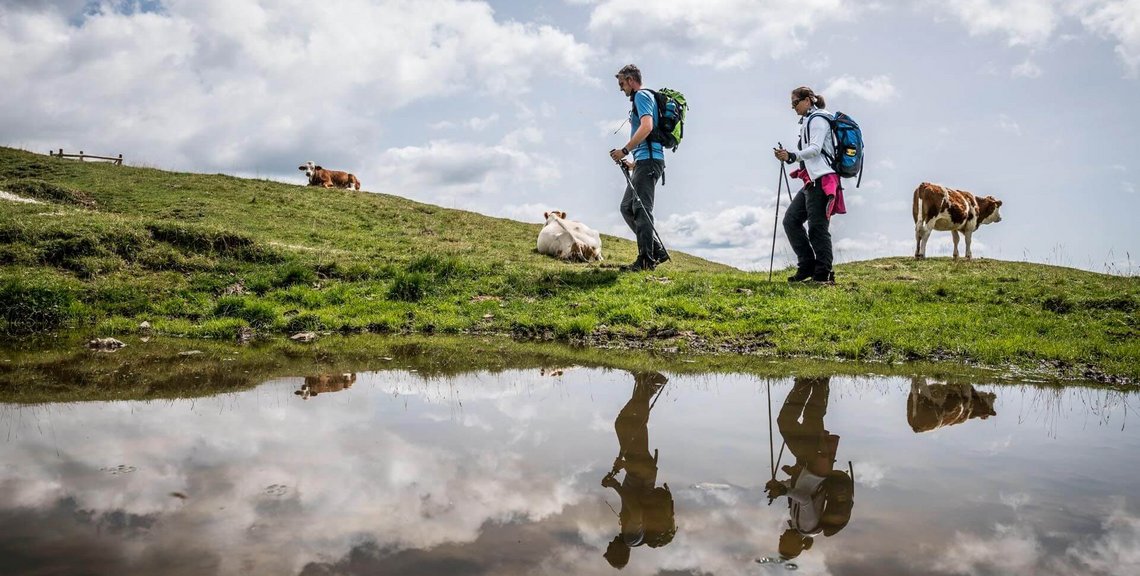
(509, 107)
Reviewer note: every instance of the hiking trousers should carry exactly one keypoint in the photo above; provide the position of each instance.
(807, 400)
(644, 177)
(813, 247)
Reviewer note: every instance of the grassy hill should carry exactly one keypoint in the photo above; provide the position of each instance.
(215, 256)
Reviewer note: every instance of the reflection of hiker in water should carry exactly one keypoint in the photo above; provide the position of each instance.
(820, 497)
(646, 509)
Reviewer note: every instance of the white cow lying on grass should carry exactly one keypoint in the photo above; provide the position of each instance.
(569, 240)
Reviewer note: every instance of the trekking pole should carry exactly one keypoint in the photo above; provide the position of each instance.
(787, 184)
(772, 460)
(771, 441)
(784, 171)
(637, 197)
(656, 395)
(772, 259)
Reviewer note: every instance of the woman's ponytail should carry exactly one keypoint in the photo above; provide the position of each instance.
(805, 92)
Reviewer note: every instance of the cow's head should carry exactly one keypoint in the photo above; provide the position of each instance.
(309, 168)
(550, 216)
(988, 210)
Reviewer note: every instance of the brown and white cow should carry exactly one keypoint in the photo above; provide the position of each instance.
(932, 406)
(319, 176)
(324, 383)
(941, 208)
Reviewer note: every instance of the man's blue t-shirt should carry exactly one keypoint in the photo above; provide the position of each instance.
(646, 104)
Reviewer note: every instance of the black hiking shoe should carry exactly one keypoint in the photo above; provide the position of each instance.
(801, 275)
(827, 277)
(638, 265)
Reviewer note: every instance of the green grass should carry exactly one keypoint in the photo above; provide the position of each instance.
(211, 255)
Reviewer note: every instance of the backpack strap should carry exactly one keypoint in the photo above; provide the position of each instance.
(831, 126)
(656, 121)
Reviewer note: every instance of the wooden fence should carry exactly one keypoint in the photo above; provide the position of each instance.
(117, 161)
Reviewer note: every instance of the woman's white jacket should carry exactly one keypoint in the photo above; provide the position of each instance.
(809, 149)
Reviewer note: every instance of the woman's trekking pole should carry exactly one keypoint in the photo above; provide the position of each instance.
(637, 198)
(779, 186)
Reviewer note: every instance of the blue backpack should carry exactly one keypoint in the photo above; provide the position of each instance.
(848, 140)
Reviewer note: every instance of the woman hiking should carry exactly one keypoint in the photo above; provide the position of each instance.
(821, 195)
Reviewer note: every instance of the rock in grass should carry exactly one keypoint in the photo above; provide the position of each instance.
(303, 337)
(244, 335)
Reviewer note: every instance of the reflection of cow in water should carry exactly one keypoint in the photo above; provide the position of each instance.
(322, 383)
(932, 406)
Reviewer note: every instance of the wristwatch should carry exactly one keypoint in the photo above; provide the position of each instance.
(625, 151)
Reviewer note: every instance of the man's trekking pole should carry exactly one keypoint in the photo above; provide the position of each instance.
(637, 198)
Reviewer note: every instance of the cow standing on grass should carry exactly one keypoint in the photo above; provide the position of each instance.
(941, 208)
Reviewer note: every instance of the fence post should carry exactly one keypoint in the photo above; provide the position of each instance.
(119, 162)
(80, 155)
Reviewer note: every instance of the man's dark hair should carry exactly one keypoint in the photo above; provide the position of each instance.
(629, 71)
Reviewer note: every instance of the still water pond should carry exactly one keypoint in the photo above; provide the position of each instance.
(576, 471)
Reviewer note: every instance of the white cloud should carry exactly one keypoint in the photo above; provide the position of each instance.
(233, 79)
(1033, 23)
(817, 62)
(1120, 20)
(1027, 69)
(1023, 22)
(531, 212)
(1009, 124)
(445, 171)
(479, 124)
(872, 245)
(879, 89)
(735, 226)
(718, 33)
(740, 236)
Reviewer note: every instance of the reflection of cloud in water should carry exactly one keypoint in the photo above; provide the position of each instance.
(500, 474)
(1008, 550)
(345, 478)
(870, 474)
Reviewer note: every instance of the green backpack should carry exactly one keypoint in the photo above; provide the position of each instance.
(669, 126)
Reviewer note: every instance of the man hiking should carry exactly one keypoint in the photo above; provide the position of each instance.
(647, 166)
